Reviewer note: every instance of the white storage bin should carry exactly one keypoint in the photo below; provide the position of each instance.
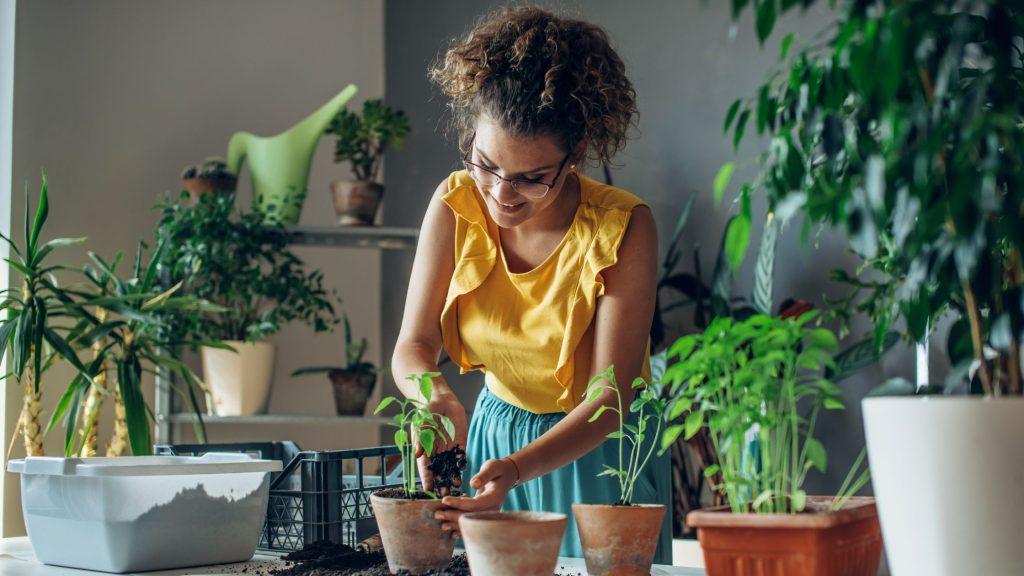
(142, 513)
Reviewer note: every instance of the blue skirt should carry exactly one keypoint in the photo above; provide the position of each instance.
(499, 429)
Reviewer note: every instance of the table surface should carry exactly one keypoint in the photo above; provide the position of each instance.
(17, 559)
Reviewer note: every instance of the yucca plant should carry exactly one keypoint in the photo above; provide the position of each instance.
(128, 334)
(34, 333)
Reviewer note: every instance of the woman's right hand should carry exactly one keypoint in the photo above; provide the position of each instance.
(444, 404)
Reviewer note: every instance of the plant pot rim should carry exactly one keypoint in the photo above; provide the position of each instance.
(377, 494)
(356, 181)
(526, 516)
(941, 399)
(240, 343)
(619, 506)
(856, 508)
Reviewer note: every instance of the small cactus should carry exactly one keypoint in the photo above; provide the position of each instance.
(213, 168)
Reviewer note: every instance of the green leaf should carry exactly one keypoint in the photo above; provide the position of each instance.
(711, 470)
(741, 125)
(427, 441)
(822, 338)
(679, 406)
(693, 423)
(861, 355)
(722, 179)
(670, 435)
(737, 237)
(65, 351)
(893, 387)
(765, 19)
(384, 404)
(597, 413)
(787, 41)
(426, 388)
(764, 269)
(731, 115)
(401, 438)
(130, 382)
(41, 214)
(815, 453)
(799, 500)
(317, 370)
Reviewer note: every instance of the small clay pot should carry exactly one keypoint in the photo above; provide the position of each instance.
(412, 537)
(512, 543)
(619, 540)
(351, 391)
(198, 186)
(356, 201)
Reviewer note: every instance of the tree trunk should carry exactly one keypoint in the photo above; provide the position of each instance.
(119, 441)
(91, 414)
(30, 426)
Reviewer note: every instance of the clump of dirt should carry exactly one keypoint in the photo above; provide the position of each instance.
(327, 559)
(400, 493)
(447, 468)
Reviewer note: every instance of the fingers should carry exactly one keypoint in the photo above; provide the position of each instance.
(490, 471)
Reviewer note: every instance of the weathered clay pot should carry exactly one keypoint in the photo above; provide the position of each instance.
(198, 186)
(356, 201)
(351, 391)
(512, 543)
(816, 543)
(619, 540)
(412, 537)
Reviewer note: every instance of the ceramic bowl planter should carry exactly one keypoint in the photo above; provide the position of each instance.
(351, 391)
(619, 540)
(817, 542)
(356, 201)
(512, 543)
(412, 537)
(947, 473)
(239, 381)
(196, 187)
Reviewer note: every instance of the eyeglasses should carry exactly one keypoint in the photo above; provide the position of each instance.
(486, 178)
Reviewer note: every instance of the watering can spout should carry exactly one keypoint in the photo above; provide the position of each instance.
(279, 165)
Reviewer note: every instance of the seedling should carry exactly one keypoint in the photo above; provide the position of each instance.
(647, 404)
(415, 423)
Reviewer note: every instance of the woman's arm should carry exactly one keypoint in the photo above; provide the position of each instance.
(622, 325)
(419, 340)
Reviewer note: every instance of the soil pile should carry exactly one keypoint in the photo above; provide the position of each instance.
(327, 559)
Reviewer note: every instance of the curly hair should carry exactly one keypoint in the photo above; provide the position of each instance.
(536, 73)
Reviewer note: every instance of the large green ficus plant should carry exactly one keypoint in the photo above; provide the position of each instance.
(903, 129)
(239, 262)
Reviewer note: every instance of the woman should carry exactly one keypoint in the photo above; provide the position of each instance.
(532, 272)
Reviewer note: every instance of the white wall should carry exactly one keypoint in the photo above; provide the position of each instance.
(114, 97)
(7, 12)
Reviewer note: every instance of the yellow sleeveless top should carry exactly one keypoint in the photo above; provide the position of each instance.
(531, 333)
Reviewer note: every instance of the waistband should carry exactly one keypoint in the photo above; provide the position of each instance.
(492, 406)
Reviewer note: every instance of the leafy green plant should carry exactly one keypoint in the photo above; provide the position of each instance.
(237, 261)
(902, 128)
(647, 404)
(128, 336)
(363, 138)
(416, 425)
(35, 331)
(753, 379)
(354, 351)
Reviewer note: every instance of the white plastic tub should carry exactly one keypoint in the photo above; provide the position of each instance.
(142, 513)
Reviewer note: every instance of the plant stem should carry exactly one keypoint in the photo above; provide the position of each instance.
(974, 316)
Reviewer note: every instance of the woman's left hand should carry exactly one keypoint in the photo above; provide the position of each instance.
(492, 484)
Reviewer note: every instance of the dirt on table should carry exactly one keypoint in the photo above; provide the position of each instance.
(327, 559)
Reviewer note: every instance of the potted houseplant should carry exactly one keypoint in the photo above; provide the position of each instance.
(621, 538)
(123, 322)
(412, 537)
(901, 128)
(758, 386)
(362, 140)
(210, 176)
(34, 333)
(234, 260)
(352, 383)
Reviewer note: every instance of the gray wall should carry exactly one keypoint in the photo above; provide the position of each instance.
(688, 62)
(113, 97)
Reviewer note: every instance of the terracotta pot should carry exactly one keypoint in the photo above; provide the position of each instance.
(198, 186)
(351, 391)
(619, 540)
(356, 201)
(239, 381)
(412, 537)
(817, 543)
(512, 543)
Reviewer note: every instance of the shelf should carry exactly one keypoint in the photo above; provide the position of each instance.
(187, 418)
(386, 238)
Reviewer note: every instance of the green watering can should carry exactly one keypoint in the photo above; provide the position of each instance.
(279, 165)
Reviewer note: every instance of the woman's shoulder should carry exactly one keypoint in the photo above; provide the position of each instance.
(607, 197)
(458, 192)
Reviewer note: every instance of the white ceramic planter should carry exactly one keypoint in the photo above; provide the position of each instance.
(239, 381)
(948, 476)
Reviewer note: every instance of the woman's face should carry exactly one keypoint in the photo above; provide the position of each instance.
(535, 158)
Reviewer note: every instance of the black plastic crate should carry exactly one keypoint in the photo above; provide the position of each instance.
(319, 495)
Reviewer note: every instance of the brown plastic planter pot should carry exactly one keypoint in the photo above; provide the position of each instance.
(619, 540)
(412, 537)
(351, 391)
(198, 186)
(816, 543)
(356, 201)
(512, 543)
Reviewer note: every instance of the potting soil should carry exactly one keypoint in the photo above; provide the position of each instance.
(447, 467)
(327, 559)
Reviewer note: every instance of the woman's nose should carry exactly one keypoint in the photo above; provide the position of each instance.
(504, 192)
